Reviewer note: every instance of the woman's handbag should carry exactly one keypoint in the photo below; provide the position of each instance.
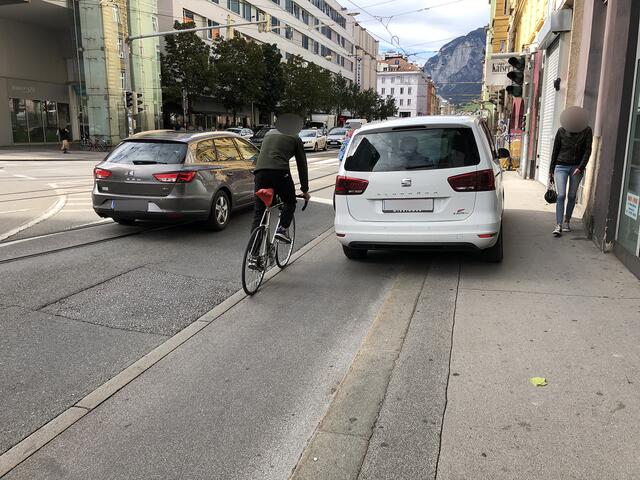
(551, 196)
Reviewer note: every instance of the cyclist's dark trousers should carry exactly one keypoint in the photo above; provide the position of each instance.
(282, 184)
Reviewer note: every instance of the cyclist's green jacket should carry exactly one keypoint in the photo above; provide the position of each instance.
(275, 152)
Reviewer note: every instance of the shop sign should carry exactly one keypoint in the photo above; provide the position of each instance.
(631, 206)
(496, 72)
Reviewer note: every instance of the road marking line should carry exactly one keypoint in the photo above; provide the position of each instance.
(70, 229)
(43, 435)
(59, 205)
(83, 210)
(15, 211)
(24, 176)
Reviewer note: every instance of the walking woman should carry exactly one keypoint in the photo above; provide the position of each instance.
(571, 152)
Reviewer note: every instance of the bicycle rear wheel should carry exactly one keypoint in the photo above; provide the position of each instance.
(255, 261)
(284, 250)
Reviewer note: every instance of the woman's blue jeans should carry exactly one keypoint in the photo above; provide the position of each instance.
(562, 175)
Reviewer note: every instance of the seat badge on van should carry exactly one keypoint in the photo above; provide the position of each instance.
(405, 182)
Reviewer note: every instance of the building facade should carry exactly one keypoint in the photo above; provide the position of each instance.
(365, 56)
(68, 64)
(407, 84)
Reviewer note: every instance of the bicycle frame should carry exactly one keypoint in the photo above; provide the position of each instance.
(266, 222)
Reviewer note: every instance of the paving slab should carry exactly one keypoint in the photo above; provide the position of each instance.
(48, 363)
(240, 399)
(405, 441)
(171, 302)
(582, 425)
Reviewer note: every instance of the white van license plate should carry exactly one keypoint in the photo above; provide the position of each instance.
(408, 205)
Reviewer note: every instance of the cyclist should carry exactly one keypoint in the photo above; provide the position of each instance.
(272, 171)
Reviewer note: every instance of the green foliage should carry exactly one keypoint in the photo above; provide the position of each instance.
(238, 72)
(185, 66)
(272, 85)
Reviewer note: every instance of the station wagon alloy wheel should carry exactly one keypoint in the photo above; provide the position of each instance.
(220, 211)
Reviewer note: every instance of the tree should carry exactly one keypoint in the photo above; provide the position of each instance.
(272, 87)
(385, 108)
(185, 67)
(295, 94)
(364, 103)
(340, 93)
(238, 72)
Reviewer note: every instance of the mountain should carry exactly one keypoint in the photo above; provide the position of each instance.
(461, 60)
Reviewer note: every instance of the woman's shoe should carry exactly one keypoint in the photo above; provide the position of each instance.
(557, 232)
(566, 227)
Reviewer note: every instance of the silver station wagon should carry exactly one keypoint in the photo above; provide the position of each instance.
(167, 175)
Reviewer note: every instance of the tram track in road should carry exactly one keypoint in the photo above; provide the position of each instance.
(111, 237)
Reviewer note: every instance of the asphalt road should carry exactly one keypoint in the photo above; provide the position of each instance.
(82, 300)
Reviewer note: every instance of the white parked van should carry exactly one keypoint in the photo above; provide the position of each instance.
(354, 123)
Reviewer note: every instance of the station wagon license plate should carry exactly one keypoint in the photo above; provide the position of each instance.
(408, 205)
(129, 205)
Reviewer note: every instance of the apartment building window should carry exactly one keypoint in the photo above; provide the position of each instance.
(288, 33)
(154, 24)
(393, 91)
(382, 93)
(401, 91)
(116, 14)
(120, 45)
(275, 23)
(399, 79)
(188, 16)
(212, 33)
(305, 42)
(277, 2)
(246, 11)
(305, 17)
(216, 1)
(408, 101)
(288, 6)
(401, 102)
(409, 91)
(316, 47)
(234, 6)
(393, 79)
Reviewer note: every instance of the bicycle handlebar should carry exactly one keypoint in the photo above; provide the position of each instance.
(306, 202)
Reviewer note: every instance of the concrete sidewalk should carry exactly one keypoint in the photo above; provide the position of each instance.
(48, 152)
(555, 308)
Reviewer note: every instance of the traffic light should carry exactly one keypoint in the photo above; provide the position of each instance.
(230, 30)
(128, 96)
(516, 75)
(138, 107)
(265, 22)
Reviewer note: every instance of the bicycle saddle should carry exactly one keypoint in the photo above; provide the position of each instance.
(266, 195)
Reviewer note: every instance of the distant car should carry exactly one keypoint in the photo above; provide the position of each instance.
(258, 138)
(336, 137)
(313, 140)
(167, 175)
(421, 183)
(243, 132)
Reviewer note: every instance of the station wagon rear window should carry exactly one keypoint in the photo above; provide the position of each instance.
(419, 149)
(141, 153)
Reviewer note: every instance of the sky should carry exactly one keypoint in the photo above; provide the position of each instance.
(419, 32)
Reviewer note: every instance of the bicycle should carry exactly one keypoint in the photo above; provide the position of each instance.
(264, 249)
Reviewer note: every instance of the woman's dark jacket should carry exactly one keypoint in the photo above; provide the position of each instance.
(573, 149)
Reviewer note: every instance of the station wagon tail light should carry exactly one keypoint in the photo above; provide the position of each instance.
(350, 185)
(480, 181)
(175, 177)
(101, 173)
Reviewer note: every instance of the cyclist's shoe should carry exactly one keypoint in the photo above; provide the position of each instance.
(283, 235)
(256, 263)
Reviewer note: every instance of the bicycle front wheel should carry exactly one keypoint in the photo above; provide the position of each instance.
(255, 261)
(284, 250)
